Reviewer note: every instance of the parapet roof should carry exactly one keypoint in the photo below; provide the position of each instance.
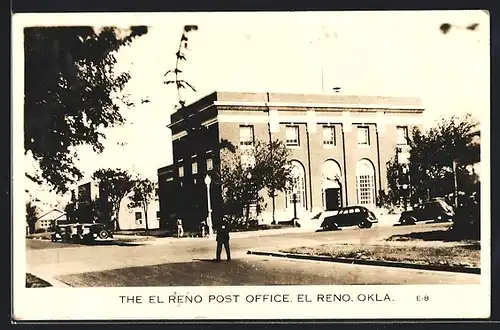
(302, 99)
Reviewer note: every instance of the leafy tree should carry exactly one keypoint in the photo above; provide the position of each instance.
(144, 192)
(393, 196)
(72, 93)
(244, 173)
(272, 165)
(180, 55)
(432, 155)
(114, 184)
(31, 215)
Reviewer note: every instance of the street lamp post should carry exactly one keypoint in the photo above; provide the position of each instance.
(405, 194)
(294, 201)
(249, 194)
(406, 185)
(208, 180)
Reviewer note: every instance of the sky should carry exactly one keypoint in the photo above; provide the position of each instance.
(364, 53)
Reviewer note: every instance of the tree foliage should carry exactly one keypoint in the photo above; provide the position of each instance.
(180, 56)
(431, 159)
(245, 173)
(71, 95)
(144, 191)
(31, 215)
(114, 185)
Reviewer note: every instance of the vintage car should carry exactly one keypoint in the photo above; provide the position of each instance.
(349, 216)
(435, 210)
(75, 232)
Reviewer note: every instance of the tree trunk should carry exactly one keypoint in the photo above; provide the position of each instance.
(31, 228)
(247, 213)
(116, 214)
(146, 218)
(274, 208)
(116, 222)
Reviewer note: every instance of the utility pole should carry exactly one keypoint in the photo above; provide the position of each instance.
(455, 185)
(324, 34)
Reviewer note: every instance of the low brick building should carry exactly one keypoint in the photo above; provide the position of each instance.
(340, 145)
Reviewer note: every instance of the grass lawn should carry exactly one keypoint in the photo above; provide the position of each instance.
(34, 282)
(466, 255)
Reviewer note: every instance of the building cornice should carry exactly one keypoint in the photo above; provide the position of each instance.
(192, 114)
(303, 105)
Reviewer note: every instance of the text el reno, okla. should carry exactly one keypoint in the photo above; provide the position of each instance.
(257, 298)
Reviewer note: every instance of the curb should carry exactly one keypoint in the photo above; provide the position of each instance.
(469, 270)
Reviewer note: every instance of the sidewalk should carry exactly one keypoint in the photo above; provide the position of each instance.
(238, 234)
(306, 226)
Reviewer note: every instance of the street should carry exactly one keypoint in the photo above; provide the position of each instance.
(188, 261)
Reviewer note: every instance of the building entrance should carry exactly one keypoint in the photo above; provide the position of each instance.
(333, 199)
(331, 185)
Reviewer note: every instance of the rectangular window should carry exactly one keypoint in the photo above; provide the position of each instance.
(363, 136)
(292, 135)
(157, 214)
(138, 217)
(194, 167)
(210, 164)
(181, 171)
(329, 136)
(246, 136)
(402, 135)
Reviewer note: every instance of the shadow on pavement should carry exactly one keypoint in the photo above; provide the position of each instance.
(113, 243)
(206, 260)
(435, 235)
(325, 230)
(32, 244)
(399, 224)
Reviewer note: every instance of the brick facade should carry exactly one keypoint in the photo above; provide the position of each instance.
(199, 129)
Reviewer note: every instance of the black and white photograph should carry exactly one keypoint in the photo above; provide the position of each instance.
(265, 165)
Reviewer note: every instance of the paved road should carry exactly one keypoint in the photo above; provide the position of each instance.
(254, 270)
(188, 262)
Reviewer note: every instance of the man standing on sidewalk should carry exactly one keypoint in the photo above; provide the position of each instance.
(222, 239)
(180, 229)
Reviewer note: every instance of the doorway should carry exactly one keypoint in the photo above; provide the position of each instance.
(333, 199)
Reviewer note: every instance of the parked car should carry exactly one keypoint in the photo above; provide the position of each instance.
(350, 216)
(80, 232)
(435, 210)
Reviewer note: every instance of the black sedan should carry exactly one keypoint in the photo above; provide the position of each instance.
(436, 210)
(350, 216)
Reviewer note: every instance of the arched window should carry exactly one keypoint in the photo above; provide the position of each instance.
(331, 178)
(297, 186)
(365, 182)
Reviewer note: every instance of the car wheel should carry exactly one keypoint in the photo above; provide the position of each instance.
(103, 234)
(408, 221)
(362, 225)
(368, 224)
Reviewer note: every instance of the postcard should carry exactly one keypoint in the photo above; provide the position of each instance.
(251, 165)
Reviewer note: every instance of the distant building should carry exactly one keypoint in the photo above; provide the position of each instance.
(340, 146)
(44, 221)
(129, 218)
